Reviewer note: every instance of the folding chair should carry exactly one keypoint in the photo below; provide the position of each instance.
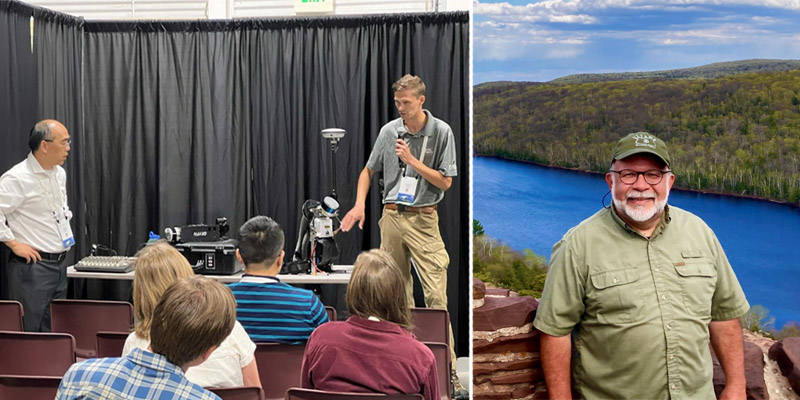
(279, 368)
(331, 313)
(238, 393)
(442, 354)
(311, 394)
(110, 344)
(84, 318)
(11, 315)
(40, 354)
(29, 387)
(431, 325)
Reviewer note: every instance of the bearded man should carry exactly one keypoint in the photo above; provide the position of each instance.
(641, 288)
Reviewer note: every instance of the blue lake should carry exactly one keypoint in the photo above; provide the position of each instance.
(529, 206)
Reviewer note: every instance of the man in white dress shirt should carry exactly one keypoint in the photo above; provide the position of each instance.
(34, 224)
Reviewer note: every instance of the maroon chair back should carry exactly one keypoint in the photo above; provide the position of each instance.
(40, 354)
(311, 394)
(10, 315)
(331, 313)
(442, 354)
(431, 325)
(29, 387)
(279, 367)
(238, 393)
(110, 344)
(84, 318)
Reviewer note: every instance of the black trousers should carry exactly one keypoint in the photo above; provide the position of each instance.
(35, 285)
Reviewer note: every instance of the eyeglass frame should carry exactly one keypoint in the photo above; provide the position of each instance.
(68, 143)
(642, 173)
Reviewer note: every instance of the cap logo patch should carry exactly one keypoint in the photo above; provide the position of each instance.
(645, 140)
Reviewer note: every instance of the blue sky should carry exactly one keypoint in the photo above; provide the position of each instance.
(521, 40)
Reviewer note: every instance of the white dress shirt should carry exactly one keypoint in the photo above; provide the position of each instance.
(30, 199)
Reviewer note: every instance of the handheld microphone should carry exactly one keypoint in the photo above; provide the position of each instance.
(400, 132)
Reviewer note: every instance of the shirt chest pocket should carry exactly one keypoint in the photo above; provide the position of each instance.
(615, 296)
(698, 279)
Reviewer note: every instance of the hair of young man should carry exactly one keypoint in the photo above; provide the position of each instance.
(410, 82)
(194, 315)
(158, 265)
(39, 132)
(377, 289)
(260, 241)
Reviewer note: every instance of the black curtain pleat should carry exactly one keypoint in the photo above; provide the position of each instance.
(57, 43)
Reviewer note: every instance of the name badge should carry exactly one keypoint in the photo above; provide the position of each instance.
(407, 190)
(65, 232)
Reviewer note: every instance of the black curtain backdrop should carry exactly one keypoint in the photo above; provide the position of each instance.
(182, 122)
(188, 121)
(38, 80)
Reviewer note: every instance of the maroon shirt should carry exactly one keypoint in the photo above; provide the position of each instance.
(363, 356)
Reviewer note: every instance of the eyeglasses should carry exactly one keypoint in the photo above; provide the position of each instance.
(67, 142)
(652, 176)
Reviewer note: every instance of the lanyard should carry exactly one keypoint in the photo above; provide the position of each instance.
(50, 198)
(421, 154)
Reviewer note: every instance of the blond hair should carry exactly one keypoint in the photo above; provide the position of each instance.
(412, 83)
(377, 289)
(158, 265)
(194, 315)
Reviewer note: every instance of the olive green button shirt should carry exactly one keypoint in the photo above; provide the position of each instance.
(640, 307)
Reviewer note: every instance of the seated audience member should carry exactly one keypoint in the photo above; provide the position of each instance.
(270, 310)
(373, 351)
(190, 321)
(158, 266)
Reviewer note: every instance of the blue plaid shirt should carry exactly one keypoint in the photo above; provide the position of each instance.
(139, 375)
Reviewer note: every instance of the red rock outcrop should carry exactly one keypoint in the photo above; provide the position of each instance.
(787, 353)
(505, 346)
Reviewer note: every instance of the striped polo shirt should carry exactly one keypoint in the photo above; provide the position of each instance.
(272, 311)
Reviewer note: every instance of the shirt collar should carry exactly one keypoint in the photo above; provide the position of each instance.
(426, 130)
(152, 360)
(383, 326)
(33, 163)
(247, 278)
(662, 223)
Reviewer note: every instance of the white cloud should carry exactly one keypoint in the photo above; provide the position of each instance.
(546, 11)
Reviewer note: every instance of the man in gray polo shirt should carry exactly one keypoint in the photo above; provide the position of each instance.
(417, 155)
(643, 287)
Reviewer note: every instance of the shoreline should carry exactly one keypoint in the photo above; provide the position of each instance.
(681, 189)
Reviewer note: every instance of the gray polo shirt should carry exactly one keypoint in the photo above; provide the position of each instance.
(440, 154)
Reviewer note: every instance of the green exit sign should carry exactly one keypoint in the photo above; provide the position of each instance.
(313, 6)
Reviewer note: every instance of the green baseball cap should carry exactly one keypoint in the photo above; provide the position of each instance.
(641, 142)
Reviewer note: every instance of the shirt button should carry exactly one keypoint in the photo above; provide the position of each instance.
(671, 356)
(615, 280)
(669, 327)
(673, 386)
(656, 269)
(663, 297)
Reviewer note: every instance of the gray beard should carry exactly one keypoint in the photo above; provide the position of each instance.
(637, 214)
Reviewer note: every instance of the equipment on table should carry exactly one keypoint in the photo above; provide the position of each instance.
(118, 264)
(211, 258)
(198, 232)
(315, 248)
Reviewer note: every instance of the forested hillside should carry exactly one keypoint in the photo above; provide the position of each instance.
(735, 134)
(715, 70)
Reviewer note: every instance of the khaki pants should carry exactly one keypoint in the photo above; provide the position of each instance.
(415, 235)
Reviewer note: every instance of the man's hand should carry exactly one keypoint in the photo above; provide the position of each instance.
(356, 214)
(733, 393)
(403, 151)
(22, 250)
